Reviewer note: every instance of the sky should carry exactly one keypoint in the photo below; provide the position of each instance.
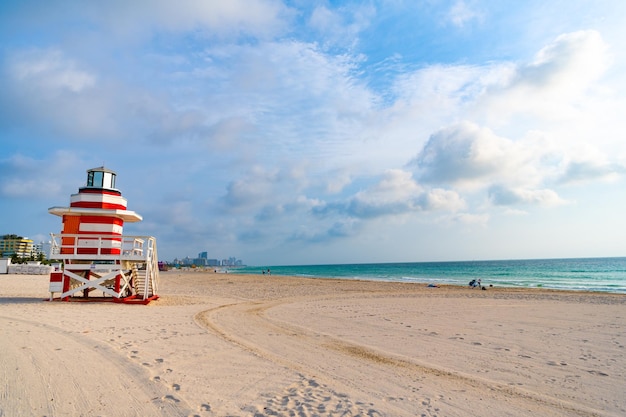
(319, 132)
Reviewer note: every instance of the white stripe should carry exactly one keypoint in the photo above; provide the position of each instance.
(101, 228)
(126, 215)
(98, 198)
(104, 243)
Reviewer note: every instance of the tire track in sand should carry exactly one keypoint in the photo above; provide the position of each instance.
(403, 385)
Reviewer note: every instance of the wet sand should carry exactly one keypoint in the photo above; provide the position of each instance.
(259, 345)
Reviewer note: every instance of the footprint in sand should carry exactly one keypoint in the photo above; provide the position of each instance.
(171, 398)
(308, 398)
(598, 373)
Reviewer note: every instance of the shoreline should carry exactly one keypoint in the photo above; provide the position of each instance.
(392, 282)
(219, 344)
(592, 274)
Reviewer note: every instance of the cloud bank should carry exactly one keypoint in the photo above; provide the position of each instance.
(272, 130)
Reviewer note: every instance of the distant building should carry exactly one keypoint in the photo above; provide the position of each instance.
(41, 248)
(203, 260)
(232, 261)
(22, 247)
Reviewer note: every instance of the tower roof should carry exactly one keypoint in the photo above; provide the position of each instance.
(126, 215)
(101, 169)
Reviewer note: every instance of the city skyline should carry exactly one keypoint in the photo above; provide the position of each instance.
(204, 260)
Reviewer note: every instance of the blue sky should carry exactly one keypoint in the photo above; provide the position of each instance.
(307, 132)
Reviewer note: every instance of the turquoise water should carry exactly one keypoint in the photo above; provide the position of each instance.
(592, 274)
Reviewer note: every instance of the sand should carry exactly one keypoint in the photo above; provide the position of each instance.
(258, 345)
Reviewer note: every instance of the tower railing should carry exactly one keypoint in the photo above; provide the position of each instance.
(110, 252)
(99, 247)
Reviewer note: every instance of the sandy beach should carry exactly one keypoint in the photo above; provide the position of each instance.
(258, 345)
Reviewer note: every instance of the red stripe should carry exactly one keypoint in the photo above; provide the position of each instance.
(103, 251)
(110, 251)
(99, 233)
(98, 191)
(98, 204)
(56, 276)
(101, 220)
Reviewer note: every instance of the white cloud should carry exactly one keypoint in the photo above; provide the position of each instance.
(552, 86)
(337, 181)
(394, 185)
(295, 99)
(471, 158)
(324, 19)
(341, 26)
(466, 154)
(461, 13)
(49, 71)
(344, 228)
(525, 167)
(34, 179)
(506, 196)
(587, 170)
(395, 194)
(28, 188)
(439, 199)
(251, 191)
(259, 18)
(461, 161)
(54, 94)
(571, 61)
(444, 87)
(471, 219)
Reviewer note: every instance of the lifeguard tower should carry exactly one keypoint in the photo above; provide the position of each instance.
(99, 262)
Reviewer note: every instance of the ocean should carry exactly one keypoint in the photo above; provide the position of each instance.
(580, 274)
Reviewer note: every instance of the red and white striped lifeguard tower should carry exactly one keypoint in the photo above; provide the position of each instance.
(97, 258)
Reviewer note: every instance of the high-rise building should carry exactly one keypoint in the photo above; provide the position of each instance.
(22, 247)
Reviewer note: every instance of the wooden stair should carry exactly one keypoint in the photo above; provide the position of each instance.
(143, 286)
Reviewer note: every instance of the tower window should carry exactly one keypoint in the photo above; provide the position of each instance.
(94, 179)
